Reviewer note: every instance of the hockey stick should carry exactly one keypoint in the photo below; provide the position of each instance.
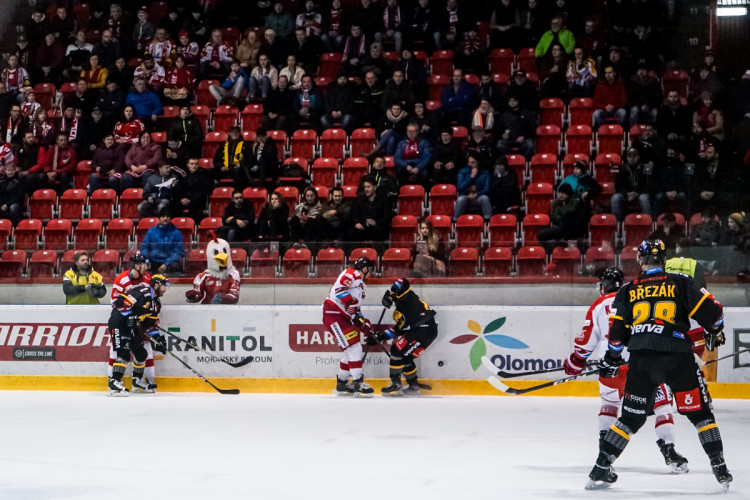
(497, 383)
(377, 327)
(737, 353)
(220, 391)
(244, 362)
(503, 374)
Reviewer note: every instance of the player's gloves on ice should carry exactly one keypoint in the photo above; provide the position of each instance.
(610, 364)
(574, 364)
(160, 343)
(387, 299)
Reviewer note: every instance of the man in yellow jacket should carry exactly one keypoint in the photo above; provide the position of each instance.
(81, 284)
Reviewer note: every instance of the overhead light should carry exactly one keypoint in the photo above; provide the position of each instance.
(731, 11)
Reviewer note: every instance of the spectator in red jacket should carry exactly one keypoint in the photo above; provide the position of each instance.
(610, 99)
(56, 165)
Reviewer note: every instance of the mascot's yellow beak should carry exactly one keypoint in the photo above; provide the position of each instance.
(222, 259)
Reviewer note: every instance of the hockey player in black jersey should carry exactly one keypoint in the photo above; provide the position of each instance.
(415, 330)
(134, 313)
(651, 316)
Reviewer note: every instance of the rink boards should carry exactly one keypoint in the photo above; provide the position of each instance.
(66, 348)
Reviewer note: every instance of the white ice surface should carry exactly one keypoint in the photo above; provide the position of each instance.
(208, 446)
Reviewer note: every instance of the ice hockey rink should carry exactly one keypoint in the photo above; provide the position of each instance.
(79, 445)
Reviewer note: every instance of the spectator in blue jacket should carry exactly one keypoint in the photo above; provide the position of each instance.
(233, 84)
(473, 189)
(146, 103)
(163, 246)
(458, 100)
(412, 157)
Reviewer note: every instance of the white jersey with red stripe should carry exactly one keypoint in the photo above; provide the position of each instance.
(348, 292)
(596, 327)
(125, 282)
(214, 290)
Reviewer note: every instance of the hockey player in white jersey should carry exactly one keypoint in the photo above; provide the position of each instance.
(342, 317)
(595, 331)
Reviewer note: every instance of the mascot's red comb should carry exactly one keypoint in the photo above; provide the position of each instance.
(213, 235)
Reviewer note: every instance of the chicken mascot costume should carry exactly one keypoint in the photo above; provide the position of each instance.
(220, 282)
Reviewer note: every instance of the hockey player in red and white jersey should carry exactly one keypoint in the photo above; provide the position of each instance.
(125, 281)
(342, 317)
(220, 282)
(611, 390)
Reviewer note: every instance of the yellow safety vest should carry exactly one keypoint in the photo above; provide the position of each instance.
(682, 265)
(82, 279)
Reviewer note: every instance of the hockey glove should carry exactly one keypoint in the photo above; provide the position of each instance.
(132, 322)
(364, 325)
(387, 299)
(610, 364)
(160, 343)
(714, 338)
(371, 340)
(574, 364)
(193, 295)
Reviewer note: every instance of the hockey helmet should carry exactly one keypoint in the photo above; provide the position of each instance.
(611, 279)
(364, 262)
(138, 258)
(159, 279)
(652, 252)
(400, 286)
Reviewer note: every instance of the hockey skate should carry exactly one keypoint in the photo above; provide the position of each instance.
(393, 390)
(143, 386)
(412, 390)
(116, 389)
(674, 460)
(603, 474)
(721, 472)
(343, 388)
(362, 389)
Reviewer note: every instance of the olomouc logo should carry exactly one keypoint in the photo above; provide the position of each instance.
(480, 335)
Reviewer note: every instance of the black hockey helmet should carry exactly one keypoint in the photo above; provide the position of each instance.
(159, 279)
(611, 279)
(138, 258)
(400, 286)
(652, 252)
(362, 263)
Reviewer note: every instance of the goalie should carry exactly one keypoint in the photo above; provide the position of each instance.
(220, 282)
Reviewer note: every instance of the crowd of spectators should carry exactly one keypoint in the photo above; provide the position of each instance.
(127, 64)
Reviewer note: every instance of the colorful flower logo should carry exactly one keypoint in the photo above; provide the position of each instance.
(479, 348)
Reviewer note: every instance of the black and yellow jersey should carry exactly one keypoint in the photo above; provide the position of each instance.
(411, 311)
(139, 301)
(653, 312)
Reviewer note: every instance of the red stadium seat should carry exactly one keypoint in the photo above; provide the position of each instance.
(263, 262)
(102, 204)
(27, 234)
(362, 142)
(290, 194)
(213, 141)
(333, 143)
(604, 199)
(304, 143)
(531, 224)
(159, 138)
(548, 139)
(636, 228)
(129, 200)
(328, 64)
(464, 262)
(501, 61)
(203, 96)
(206, 163)
(396, 262)
(578, 139)
(186, 225)
(106, 262)
(629, 262)
(87, 234)
(280, 137)
(539, 197)
(142, 228)
(599, 258)
(330, 262)
(298, 180)
(518, 164)
(441, 62)
(469, 231)
(296, 263)
(82, 174)
(432, 105)
(569, 160)
(257, 196)
(566, 261)
(195, 262)
(581, 111)
(57, 234)
(435, 85)
(203, 113)
(551, 111)
(460, 136)
(224, 117)
(72, 204)
(605, 167)
(118, 234)
(635, 132)
(6, 233)
(443, 224)
(543, 168)
(353, 170)
(358, 253)
(323, 192)
(602, 229)
(350, 192)
(220, 198)
(403, 230)
(676, 79)
(503, 230)
(239, 260)
(531, 261)
(411, 200)
(42, 264)
(42, 204)
(252, 115)
(443, 199)
(526, 60)
(610, 139)
(167, 116)
(498, 262)
(12, 263)
(45, 94)
(324, 171)
(322, 82)
(82, 13)
(206, 225)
